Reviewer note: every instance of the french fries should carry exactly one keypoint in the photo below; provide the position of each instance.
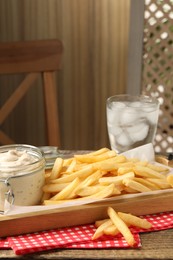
(117, 179)
(90, 158)
(119, 222)
(100, 230)
(138, 187)
(170, 180)
(121, 226)
(134, 221)
(102, 174)
(56, 169)
(65, 193)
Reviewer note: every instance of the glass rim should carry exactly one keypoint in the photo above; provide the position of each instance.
(132, 98)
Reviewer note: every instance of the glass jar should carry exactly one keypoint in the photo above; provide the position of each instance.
(22, 175)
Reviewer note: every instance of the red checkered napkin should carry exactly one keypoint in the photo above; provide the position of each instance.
(159, 221)
(80, 237)
(74, 237)
(4, 244)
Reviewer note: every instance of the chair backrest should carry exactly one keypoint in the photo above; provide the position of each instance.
(33, 58)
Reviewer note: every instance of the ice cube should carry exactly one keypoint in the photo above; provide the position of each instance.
(115, 130)
(129, 116)
(138, 132)
(112, 117)
(124, 139)
(136, 104)
(117, 105)
(149, 105)
(114, 112)
(151, 113)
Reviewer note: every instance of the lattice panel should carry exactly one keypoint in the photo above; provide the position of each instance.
(157, 77)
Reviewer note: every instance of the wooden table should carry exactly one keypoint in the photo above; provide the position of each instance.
(155, 245)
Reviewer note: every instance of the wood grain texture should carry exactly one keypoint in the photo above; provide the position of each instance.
(33, 59)
(95, 39)
(30, 56)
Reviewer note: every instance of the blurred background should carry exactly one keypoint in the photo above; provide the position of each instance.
(102, 39)
(95, 39)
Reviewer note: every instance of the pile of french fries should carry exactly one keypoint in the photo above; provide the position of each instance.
(102, 174)
(119, 223)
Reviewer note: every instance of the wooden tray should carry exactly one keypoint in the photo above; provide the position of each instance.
(85, 214)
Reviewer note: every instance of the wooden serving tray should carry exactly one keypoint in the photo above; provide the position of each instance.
(85, 214)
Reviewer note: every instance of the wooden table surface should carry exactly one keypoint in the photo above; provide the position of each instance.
(155, 245)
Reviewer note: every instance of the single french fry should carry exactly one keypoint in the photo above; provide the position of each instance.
(73, 194)
(91, 179)
(110, 164)
(135, 185)
(72, 165)
(79, 166)
(63, 194)
(67, 161)
(117, 179)
(117, 190)
(48, 202)
(100, 151)
(161, 183)
(105, 166)
(125, 169)
(162, 159)
(158, 168)
(95, 158)
(56, 169)
(128, 190)
(111, 230)
(100, 230)
(100, 222)
(146, 183)
(141, 163)
(120, 159)
(83, 173)
(105, 192)
(97, 152)
(91, 190)
(54, 187)
(88, 191)
(121, 226)
(170, 179)
(134, 221)
(144, 171)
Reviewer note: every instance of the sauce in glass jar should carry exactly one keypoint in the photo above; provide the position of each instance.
(22, 175)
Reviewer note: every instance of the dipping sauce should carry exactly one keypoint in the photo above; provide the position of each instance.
(14, 158)
(22, 172)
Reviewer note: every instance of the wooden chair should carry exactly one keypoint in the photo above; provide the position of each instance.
(33, 58)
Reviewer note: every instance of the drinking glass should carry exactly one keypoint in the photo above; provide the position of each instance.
(131, 121)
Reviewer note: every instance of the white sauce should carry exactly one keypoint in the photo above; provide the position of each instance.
(14, 158)
(25, 173)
